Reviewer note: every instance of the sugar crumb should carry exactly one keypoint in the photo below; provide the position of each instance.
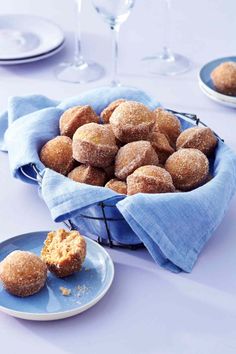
(65, 291)
(82, 289)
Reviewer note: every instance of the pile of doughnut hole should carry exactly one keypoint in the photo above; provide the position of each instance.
(130, 149)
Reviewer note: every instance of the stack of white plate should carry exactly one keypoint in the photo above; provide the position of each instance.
(207, 86)
(25, 39)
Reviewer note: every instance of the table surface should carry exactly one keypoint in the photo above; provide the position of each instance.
(148, 309)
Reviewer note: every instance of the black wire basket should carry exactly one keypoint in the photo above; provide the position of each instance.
(103, 221)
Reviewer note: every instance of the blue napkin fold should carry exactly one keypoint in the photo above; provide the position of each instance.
(174, 227)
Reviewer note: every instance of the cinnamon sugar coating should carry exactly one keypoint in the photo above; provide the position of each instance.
(57, 154)
(200, 138)
(118, 142)
(95, 145)
(149, 179)
(88, 174)
(161, 145)
(107, 112)
(23, 273)
(189, 168)
(224, 78)
(117, 186)
(133, 155)
(132, 121)
(75, 117)
(167, 123)
(64, 252)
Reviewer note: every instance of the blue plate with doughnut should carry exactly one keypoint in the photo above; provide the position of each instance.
(86, 287)
(207, 86)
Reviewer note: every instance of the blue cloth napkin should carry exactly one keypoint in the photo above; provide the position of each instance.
(174, 227)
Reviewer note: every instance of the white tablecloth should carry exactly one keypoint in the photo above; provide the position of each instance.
(148, 310)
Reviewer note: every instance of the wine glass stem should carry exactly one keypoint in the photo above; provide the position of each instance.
(78, 57)
(115, 45)
(166, 51)
(167, 54)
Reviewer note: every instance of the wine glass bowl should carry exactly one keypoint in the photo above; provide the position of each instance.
(114, 13)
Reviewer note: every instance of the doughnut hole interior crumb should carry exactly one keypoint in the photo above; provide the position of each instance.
(65, 291)
(64, 252)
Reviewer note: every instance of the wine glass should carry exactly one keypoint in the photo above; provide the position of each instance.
(114, 13)
(79, 70)
(167, 62)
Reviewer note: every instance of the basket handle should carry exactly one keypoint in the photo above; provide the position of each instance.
(192, 117)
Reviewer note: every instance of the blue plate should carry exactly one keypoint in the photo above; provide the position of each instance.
(207, 85)
(87, 286)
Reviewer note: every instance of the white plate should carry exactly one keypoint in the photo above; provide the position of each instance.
(32, 59)
(24, 36)
(94, 280)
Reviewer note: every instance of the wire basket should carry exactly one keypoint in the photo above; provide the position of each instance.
(103, 221)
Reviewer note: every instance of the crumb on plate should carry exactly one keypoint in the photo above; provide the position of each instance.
(82, 289)
(65, 291)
